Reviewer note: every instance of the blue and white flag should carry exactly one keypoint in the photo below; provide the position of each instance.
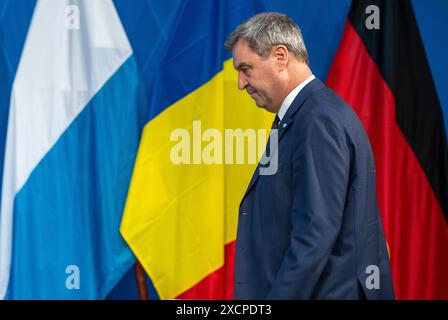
(70, 120)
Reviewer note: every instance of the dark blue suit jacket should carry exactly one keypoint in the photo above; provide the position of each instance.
(313, 229)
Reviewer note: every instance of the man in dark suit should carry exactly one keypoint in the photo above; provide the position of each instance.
(310, 228)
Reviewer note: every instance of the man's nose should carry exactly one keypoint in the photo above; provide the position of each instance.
(242, 82)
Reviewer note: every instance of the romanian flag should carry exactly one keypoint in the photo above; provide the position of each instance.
(382, 71)
(180, 219)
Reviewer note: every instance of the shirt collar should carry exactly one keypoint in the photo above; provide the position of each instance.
(291, 96)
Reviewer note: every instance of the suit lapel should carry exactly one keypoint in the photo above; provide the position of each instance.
(285, 123)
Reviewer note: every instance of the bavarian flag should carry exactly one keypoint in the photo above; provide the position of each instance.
(71, 101)
(180, 217)
(382, 71)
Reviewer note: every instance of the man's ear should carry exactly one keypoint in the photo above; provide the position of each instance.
(281, 55)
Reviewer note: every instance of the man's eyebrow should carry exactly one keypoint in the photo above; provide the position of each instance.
(242, 65)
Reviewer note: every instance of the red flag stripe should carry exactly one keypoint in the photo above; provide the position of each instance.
(217, 285)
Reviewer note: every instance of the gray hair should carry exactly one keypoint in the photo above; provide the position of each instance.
(266, 30)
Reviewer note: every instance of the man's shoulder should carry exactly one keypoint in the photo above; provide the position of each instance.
(327, 106)
(322, 105)
(326, 101)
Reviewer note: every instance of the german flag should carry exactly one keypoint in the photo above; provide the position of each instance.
(382, 71)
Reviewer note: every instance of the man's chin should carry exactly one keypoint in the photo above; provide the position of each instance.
(260, 105)
(265, 107)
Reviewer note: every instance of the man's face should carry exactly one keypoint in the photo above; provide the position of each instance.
(258, 76)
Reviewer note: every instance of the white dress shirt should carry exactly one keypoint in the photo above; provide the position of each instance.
(291, 96)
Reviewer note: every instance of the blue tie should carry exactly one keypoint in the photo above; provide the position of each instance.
(276, 122)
